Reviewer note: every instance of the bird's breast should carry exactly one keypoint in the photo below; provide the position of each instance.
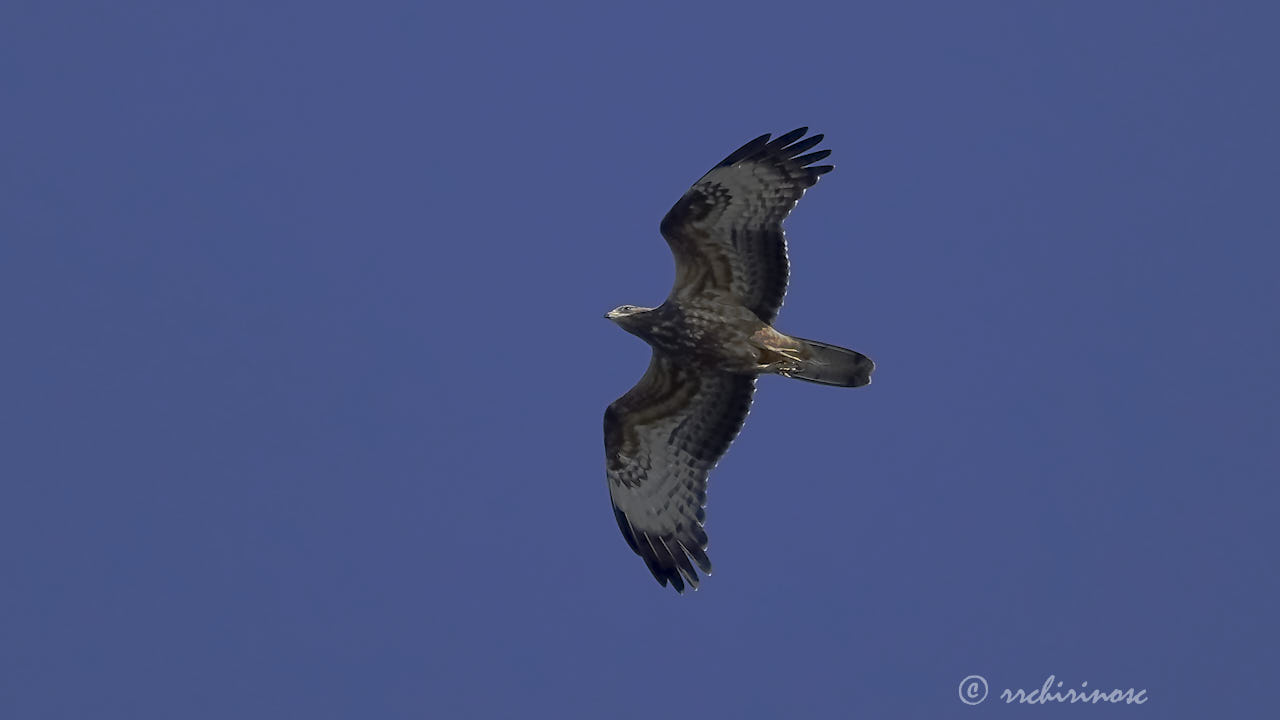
(713, 335)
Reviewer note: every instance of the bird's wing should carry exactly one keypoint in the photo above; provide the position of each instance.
(661, 439)
(726, 232)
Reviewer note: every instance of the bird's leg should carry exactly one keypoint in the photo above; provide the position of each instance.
(787, 353)
(777, 352)
(788, 364)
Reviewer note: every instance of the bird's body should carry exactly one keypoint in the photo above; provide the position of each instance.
(711, 334)
(711, 338)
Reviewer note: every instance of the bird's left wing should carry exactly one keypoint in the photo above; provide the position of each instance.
(726, 232)
(661, 440)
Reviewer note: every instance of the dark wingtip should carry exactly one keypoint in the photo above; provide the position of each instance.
(783, 147)
(786, 148)
(676, 582)
(804, 144)
(787, 138)
(668, 563)
(812, 157)
(700, 557)
(746, 151)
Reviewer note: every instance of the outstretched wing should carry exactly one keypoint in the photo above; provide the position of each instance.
(726, 232)
(661, 439)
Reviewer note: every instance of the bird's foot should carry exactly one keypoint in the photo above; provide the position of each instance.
(785, 369)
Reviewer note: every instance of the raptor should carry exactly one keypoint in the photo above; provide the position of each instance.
(711, 339)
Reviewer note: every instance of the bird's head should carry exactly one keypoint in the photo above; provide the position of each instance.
(623, 313)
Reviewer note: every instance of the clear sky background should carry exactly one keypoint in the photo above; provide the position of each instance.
(303, 361)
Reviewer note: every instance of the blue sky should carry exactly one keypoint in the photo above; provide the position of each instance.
(304, 363)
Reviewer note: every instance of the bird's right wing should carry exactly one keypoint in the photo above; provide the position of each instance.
(661, 440)
(726, 232)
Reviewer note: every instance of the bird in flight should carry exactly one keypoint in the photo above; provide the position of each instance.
(711, 339)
